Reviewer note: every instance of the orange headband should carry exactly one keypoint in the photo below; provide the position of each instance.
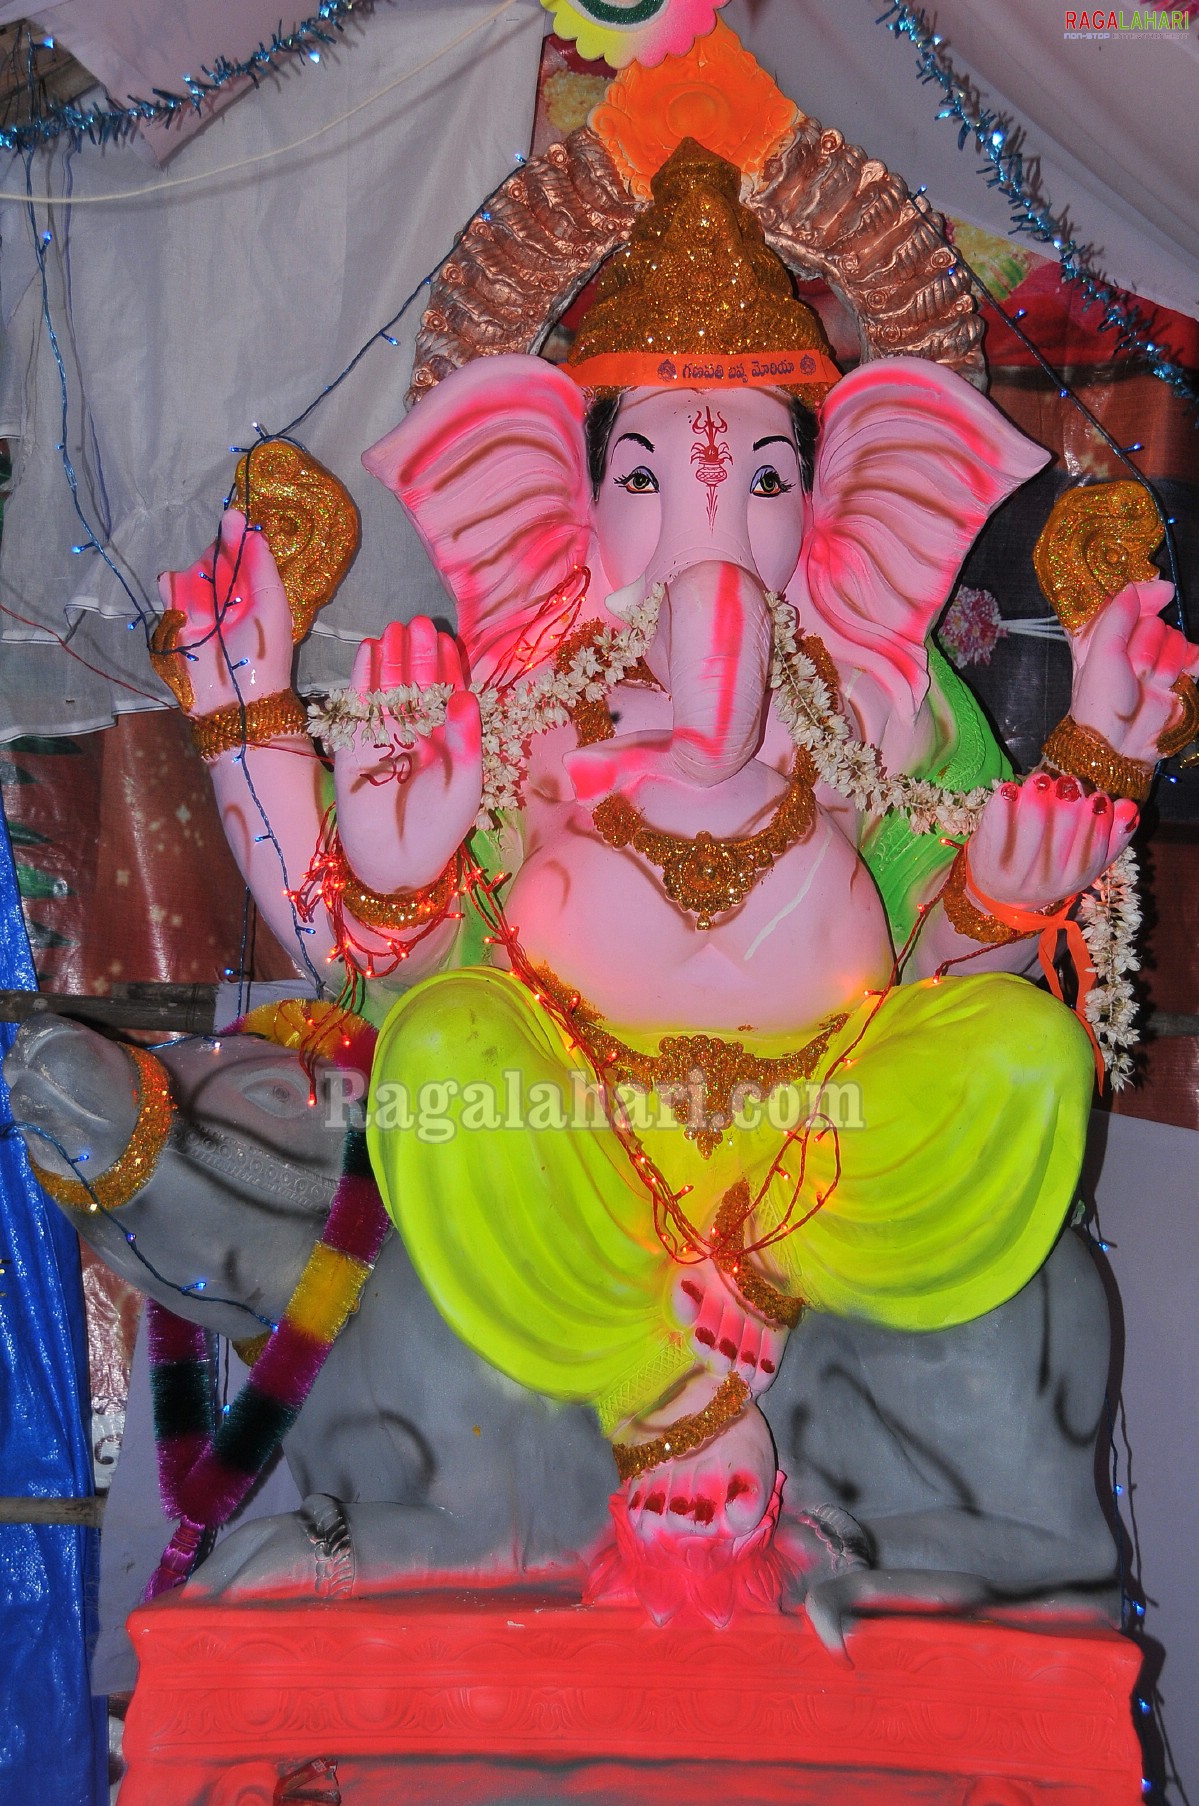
(705, 370)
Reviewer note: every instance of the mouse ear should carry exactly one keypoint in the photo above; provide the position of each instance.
(492, 467)
(910, 463)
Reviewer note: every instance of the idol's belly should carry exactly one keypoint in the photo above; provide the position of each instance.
(809, 939)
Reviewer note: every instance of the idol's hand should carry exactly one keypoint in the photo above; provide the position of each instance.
(402, 812)
(234, 642)
(1125, 661)
(1043, 840)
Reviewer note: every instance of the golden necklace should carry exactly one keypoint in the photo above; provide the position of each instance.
(705, 876)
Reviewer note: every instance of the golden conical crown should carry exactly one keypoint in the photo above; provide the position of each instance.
(697, 289)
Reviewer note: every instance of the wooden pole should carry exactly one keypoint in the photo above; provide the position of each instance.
(173, 1009)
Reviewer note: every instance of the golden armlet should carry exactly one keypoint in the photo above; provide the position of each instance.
(685, 1434)
(254, 723)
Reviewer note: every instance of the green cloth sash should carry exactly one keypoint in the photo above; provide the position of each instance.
(902, 863)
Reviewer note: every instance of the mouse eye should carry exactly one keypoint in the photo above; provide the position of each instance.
(641, 481)
(283, 1094)
(767, 481)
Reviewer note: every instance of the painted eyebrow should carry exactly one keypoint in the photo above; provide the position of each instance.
(641, 440)
(773, 439)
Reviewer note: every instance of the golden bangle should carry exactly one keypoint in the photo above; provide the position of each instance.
(254, 723)
(1171, 740)
(685, 1434)
(727, 1243)
(1079, 752)
(401, 908)
(126, 1176)
(776, 1307)
(966, 917)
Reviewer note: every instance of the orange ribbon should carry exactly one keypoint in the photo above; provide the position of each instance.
(704, 369)
(1047, 926)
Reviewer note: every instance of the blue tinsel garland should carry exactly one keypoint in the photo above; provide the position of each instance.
(105, 125)
(1004, 169)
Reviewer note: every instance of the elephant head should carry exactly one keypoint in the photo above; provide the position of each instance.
(706, 471)
(220, 1230)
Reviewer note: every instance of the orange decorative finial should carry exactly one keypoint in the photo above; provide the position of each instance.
(717, 94)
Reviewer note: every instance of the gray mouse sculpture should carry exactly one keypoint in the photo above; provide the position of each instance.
(951, 1468)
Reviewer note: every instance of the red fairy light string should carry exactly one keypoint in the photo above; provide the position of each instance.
(324, 886)
(546, 632)
(683, 1242)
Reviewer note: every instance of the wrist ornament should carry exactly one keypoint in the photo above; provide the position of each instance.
(1015, 923)
(1080, 752)
(399, 919)
(964, 915)
(254, 723)
(393, 911)
(685, 1434)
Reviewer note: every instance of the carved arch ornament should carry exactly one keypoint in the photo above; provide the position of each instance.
(826, 208)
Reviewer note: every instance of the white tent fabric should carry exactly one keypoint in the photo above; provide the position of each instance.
(140, 45)
(186, 316)
(1113, 118)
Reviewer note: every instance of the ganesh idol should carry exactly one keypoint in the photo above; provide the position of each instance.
(644, 870)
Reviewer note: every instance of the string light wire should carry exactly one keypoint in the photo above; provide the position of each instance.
(198, 1288)
(1148, 1700)
(109, 124)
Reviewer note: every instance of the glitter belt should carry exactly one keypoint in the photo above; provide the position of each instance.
(724, 1066)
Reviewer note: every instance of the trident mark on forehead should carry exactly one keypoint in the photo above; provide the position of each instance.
(710, 456)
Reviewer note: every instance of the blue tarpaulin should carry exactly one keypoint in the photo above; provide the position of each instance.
(53, 1744)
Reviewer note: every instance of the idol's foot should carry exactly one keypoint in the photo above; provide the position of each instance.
(713, 1463)
(727, 1336)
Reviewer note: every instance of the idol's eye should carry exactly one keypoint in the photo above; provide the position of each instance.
(767, 481)
(639, 482)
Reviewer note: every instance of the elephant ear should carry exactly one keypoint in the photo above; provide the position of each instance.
(910, 463)
(492, 467)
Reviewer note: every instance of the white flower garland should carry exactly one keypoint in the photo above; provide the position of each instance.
(1109, 912)
(848, 765)
(513, 717)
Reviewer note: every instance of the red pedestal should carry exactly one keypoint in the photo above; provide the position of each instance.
(513, 1697)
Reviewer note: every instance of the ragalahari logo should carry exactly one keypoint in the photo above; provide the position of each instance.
(1132, 25)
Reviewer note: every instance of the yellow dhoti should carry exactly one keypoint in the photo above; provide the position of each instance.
(959, 1130)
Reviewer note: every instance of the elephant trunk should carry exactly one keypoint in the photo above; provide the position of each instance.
(715, 640)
